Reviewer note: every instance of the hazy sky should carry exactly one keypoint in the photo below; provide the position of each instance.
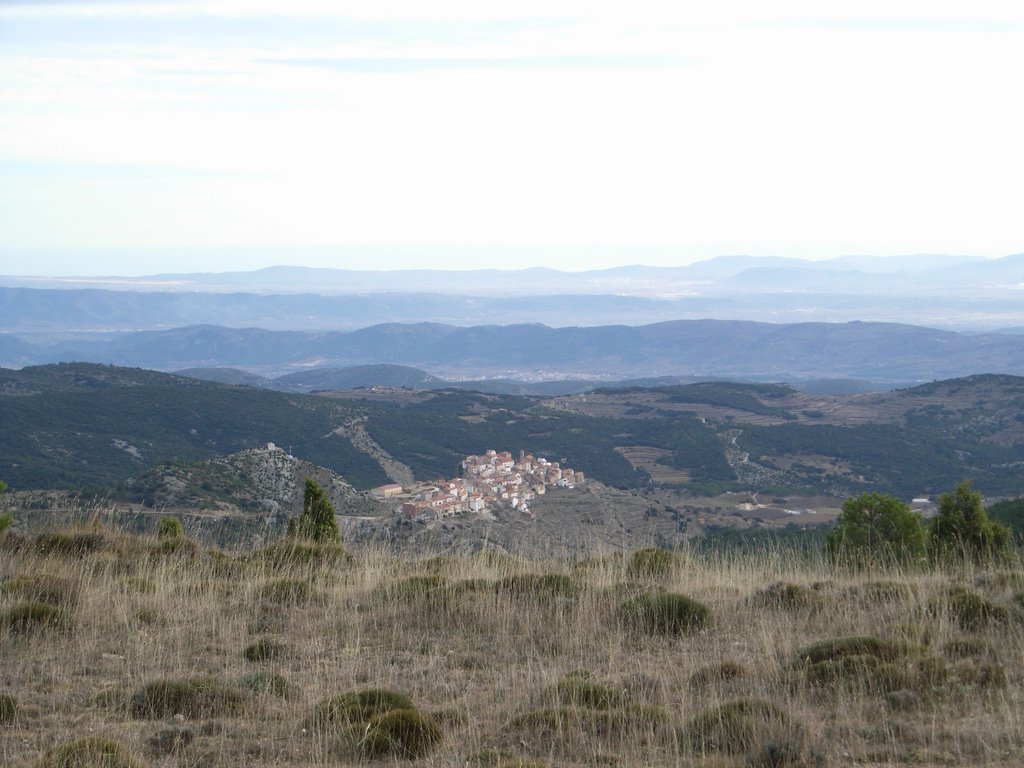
(163, 135)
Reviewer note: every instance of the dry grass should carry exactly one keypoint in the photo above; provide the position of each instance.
(518, 662)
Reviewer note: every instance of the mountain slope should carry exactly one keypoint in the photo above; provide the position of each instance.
(883, 352)
(74, 425)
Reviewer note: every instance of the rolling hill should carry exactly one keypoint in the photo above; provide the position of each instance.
(886, 353)
(80, 425)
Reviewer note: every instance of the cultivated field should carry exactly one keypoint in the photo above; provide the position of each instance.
(162, 654)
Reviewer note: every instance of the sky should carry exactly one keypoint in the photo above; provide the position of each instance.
(181, 135)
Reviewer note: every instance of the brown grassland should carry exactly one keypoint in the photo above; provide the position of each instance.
(118, 650)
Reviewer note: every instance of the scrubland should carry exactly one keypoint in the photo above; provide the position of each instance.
(118, 650)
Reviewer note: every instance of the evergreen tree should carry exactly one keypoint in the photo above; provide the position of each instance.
(6, 519)
(874, 527)
(962, 529)
(317, 522)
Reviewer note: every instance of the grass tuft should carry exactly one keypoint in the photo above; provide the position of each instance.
(192, 698)
(664, 613)
(739, 726)
(8, 709)
(403, 733)
(355, 707)
(89, 752)
(264, 649)
(650, 563)
(32, 616)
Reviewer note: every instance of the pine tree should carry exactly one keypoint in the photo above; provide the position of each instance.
(962, 529)
(317, 522)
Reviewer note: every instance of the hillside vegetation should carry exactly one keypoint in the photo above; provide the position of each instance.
(122, 650)
(71, 426)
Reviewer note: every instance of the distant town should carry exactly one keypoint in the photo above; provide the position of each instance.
(489, 482)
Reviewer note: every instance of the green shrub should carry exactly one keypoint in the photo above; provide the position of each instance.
(575, 691)
(31, 616)
(357, 707)
(554, 722)
(404, 733)
(874, 528)
(8, 709)
(6, 521)
(70, 543)
(737, 727)
(966, 648)
(492, 758)
(983, 673)
(962, 530)
(269, 683)
(169, 528)
(664, 613)
(176, 546)
(970, 610)
(428, 592)
(887, 591)
(717, 673)
(833, 650)
(43, 588)
(89, 752)
(537, 585)
(264, 649)
(195, 697)
(785, 596)
(862, 672)
(286, 591)
(785, 753)
(318, 522)
(291, 553)
(650, 562)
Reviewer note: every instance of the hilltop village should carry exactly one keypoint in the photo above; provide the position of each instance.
(489, 482)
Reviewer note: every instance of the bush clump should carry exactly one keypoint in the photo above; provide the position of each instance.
(785, 753)
(404, 733)
(264, 649)
(286, 592)
(836, 649)
(613, 722)
(576, 691)
(967, 648)
(192, 698)
(70, 543)
(962, 530)
(291, 553)
(784, 596)
(32, 616)
(970, 610)
(650, 562)
(269, 683)
(739, 726)
(717, 673)
(543, 585)
(89, 752)
(492, 758)
(664, 613)
(359, 706)
(8, 709)
(169, 528)
(376, 723)
(42, 588)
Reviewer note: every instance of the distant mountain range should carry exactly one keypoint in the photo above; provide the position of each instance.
(943, 291)
(885, 353)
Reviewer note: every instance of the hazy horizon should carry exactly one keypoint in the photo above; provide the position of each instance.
(793, 128)
(144, 262)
